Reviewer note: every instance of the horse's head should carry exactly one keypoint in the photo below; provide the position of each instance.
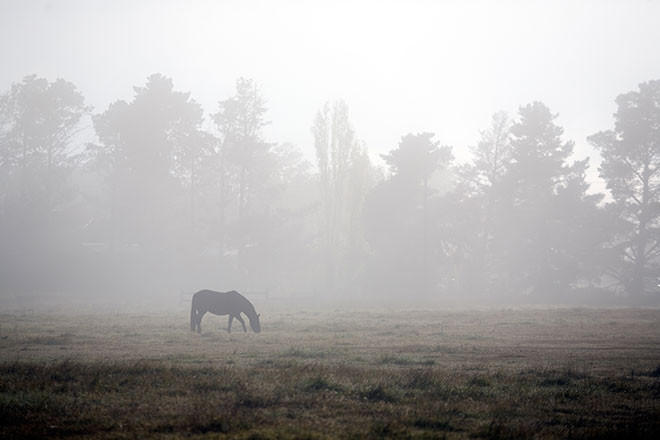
(254, 323)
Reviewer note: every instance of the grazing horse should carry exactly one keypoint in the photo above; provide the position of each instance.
(222, 303)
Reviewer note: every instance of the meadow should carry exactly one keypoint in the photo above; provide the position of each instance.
(326, 372)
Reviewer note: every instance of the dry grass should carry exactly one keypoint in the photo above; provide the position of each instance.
(566, 373)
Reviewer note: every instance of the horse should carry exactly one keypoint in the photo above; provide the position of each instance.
(229, 303)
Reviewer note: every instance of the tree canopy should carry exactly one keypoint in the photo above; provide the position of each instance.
(631, 168)
(168, 195)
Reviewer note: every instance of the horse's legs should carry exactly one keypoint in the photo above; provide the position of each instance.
(241, 321)
(200, 313)
(231, 318)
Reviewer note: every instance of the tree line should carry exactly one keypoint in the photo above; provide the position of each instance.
(167, 198)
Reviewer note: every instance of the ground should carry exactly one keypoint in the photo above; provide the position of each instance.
(332, 373)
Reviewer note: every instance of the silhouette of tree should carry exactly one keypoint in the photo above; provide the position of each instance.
(335, 144)
(631, 168)
(401, 226)
(40, 126)
(550, 224)
(281, 256)
(479, 200)
(245, 159)
(492, 157)
(363, 177)
(145, 145)
(39, 121)
(253, 177)
(345, 175)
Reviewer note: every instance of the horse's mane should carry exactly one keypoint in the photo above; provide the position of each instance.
(249, 304)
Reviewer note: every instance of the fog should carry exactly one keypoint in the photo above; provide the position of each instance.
(454, 153)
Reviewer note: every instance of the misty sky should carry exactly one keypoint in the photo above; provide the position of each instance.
(402, 67)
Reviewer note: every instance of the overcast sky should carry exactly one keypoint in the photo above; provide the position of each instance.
(406, 66)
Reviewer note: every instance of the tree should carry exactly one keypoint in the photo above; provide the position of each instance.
(362, 178)
(40, 124)
(243, 153)
(401, 225)
(252, 177)
(240, 121)
(345, 176)
(480, 194)
(335, 144)
(492, 156)
(148, 147)
(548, 231)
(39, 121)
(631, 169)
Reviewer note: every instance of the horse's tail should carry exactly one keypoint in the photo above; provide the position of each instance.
(193, 313)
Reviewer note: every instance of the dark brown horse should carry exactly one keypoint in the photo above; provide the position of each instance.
(222, 303)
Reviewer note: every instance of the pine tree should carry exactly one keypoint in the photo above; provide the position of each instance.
(631, 168)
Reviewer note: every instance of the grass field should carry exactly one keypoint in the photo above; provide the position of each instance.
(546, 373)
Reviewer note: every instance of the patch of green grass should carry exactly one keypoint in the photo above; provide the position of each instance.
(655, 372)
(562, 378)
(378, 393)
(433, 424)
(402, 360)
(62, 339)
(320, 383)
(422, 379)
(100, 400)
(396, 360)
(480, 381)
(304, 354)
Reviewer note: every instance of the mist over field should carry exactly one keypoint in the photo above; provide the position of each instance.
(426, 219)
(471, 153)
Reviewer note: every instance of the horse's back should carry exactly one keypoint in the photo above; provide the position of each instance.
(219, 303)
